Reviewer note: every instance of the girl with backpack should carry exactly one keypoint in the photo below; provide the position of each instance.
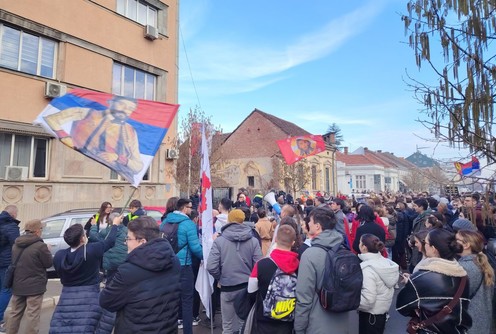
(380, 275)
(481, 278)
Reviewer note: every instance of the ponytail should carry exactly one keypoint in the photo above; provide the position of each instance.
(488, 272)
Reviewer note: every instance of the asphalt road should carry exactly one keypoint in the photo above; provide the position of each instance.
(396, 324)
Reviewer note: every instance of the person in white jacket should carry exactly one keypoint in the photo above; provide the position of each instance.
(380, 275)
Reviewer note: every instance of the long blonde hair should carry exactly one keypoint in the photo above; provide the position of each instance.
(476, 242)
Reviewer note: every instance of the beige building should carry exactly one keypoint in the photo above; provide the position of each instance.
(124, 47)
(250, 158)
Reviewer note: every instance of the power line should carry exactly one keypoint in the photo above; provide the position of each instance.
(189, 67)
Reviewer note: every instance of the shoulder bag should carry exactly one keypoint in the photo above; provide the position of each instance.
(9, 273)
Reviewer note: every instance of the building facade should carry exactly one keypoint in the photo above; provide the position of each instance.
(250, 158)
(47, 47)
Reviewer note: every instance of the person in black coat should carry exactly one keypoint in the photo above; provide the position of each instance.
(366, 217)
(145, 290)
(9, 231)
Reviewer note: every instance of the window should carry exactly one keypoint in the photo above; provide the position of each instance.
(22, 51)
(131, 82)
(116, 177)
(251, 181)
(314, 177)
(138, 11)
(27, 151)
(360, 182)
(327, 180)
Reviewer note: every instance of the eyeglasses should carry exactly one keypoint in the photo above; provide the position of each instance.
(128, 239)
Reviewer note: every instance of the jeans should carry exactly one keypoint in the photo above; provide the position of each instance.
(371, 323)
(187, 289)
(5, 294)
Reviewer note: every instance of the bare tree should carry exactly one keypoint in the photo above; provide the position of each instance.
(460, 104)
(188, 164)
(294, 177)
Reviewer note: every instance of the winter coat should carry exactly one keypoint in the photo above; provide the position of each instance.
(77, 310)
(233, 256)
(260, 278)
(368, 228)
(187, 237)
(82, 266)
(310, 317)
(266, 232)
(116, 255)
(340, 222)
(145, 290)
(380, 275)
(9, 231)
(220, 222)
(431, 288)
(30, 277)
(481, 306)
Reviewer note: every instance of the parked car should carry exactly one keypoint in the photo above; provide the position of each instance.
(56, 225)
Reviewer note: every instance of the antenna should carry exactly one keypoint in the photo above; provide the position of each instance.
(419, 148)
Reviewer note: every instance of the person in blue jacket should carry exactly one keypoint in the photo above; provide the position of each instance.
(189, 246)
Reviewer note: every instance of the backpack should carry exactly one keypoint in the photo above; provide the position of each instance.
(169, 232)
(392, 232)
(342, 282)
(280, 301)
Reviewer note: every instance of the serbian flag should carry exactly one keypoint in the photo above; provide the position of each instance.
(469, 168)
(294, 149)
(119, 132)
(205, 282)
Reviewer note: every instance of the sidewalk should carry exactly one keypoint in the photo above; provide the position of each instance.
(396, 324)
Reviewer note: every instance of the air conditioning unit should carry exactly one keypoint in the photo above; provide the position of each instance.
(16, 173)
(53, 89)
(172, 154)
(151, 32)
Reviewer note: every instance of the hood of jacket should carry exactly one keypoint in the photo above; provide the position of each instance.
(154, 255)
(386, 269)
(328, 238)
(5, 218)
(72, 261)
(287, 261)
(442, 266)
(176, 217)
(139, 212)
(26, 240)
(237, 232)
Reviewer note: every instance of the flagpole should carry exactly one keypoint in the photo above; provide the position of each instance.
(129, 200)
(189, 162)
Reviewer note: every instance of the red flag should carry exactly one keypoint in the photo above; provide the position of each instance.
(294, 149)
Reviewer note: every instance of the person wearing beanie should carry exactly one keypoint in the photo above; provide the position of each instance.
(30, 278)
(232, 258)
(463, 224)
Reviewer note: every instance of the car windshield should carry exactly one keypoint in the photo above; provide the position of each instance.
(52, 229)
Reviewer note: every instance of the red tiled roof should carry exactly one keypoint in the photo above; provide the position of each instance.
(290, 128)
(358, 159)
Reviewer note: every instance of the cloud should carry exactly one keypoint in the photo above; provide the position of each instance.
(238, 61)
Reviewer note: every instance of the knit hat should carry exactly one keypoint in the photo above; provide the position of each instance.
(236, 216)
(33, 225)
(463, 224)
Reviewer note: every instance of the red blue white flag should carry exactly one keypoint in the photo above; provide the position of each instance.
(121, 133)
(204, 282)
(294, 149)
(470, 168)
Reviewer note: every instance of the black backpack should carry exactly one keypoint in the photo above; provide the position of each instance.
(342, 283)
(169, 232)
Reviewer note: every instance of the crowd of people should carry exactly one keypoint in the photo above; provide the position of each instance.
(271, 269)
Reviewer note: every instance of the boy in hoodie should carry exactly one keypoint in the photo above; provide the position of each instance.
(232, 258)
(283, 258)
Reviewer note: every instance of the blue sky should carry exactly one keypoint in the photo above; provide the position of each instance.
(340, 62)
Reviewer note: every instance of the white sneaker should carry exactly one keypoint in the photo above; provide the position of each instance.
(196, 321)
(180, 324)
